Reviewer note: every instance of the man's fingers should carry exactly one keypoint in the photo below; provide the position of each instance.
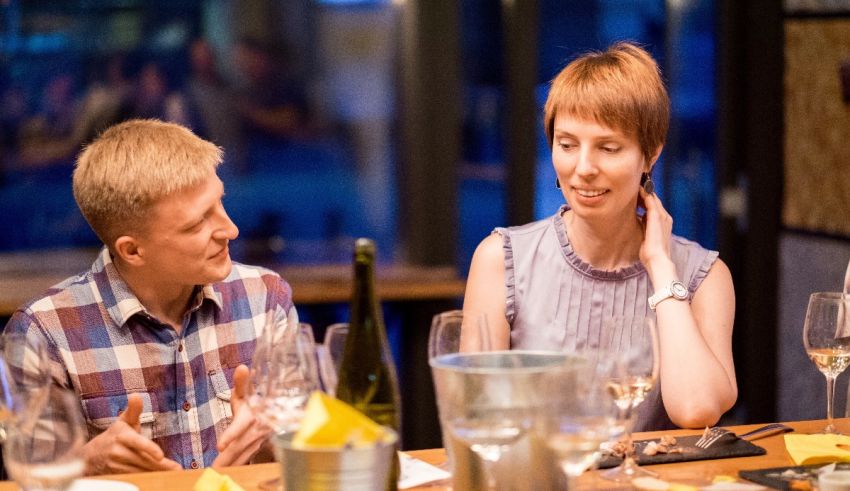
(240, 388)
(241, 424)
(169, 465)
(140, 445)
(133, 411)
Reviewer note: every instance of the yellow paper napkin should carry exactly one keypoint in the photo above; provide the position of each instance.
(816, 449)
(211, 480)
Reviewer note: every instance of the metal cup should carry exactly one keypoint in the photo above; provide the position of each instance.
(510, 380)
(331, 469)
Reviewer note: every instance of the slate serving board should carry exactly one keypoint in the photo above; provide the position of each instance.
(720, 450)
(773, 478)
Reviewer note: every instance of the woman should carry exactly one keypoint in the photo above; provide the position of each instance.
(549, 284)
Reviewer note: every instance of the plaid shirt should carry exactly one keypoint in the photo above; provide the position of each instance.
(104, 345)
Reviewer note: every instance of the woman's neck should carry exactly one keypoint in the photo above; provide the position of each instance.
(607, 245)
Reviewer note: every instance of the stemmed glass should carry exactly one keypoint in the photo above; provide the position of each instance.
(283, 374)
(24, 378)
(631, 345)
(335, 336)
(44, 452)
(451, 332)
(457, 331)
(578, 419)
(826, 336)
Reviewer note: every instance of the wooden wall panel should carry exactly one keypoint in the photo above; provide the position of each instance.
(817, 126)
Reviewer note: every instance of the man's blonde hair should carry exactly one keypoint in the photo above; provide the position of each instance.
(620, 88)
(132, 165)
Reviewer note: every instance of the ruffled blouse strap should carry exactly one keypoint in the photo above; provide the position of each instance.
(510, 282)
(701, 271)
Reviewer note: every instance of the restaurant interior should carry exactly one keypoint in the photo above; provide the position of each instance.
(418, 123)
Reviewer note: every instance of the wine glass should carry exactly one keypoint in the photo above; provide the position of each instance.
(452, 332)
(283, 375)
(457, 331)
(579, 418)
(24, 378)
(44, 452)
(631, 345)
(335, 336)
(826, 336)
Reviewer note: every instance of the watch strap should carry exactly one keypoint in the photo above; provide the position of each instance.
(666, 292)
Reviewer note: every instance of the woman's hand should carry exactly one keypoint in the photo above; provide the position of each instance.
(655, 248)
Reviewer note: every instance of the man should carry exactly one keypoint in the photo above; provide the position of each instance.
(154, 338)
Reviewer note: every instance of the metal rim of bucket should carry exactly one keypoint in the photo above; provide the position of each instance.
(390, 439)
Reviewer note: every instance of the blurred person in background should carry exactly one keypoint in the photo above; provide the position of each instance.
(550, 284)
(153, 97)
(212, 106)
(13, 111)
(47, 137)
(156, 336)
(55, 134)
(269, 100)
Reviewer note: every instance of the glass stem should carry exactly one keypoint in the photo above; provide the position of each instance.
(628, 466)
(571, 481)
(830, 395)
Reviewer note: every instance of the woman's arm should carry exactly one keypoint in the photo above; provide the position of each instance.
(486, 292)
(697, 371)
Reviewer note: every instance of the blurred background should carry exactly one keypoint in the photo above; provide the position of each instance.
(418, 123)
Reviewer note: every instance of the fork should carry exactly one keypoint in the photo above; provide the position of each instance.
(712, 435)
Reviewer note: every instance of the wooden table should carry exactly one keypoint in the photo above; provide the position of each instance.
(250, 476)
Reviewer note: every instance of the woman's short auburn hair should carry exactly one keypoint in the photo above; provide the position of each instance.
(132, 165)
(620, 88)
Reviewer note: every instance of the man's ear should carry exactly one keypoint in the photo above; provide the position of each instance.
(128, 250)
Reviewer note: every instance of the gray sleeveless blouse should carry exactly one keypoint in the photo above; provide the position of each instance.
(555, 300)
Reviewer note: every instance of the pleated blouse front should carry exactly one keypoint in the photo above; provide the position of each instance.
(557, 301)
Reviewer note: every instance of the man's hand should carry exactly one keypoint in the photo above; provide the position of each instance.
(121, 448)
(246, 434)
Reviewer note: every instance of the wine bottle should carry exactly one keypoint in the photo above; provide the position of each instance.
(367, 376)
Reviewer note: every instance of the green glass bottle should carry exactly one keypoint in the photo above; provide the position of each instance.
(367, 376)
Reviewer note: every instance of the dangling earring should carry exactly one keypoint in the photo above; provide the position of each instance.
(646, 183)
(557, 183)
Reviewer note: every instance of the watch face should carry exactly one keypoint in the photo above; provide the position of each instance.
(679, 290)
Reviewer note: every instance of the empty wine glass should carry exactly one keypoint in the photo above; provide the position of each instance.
(283, 375)
(457, 331)
(24, 378)
(45, 452)
(335, 336)
(631, 343)
(579, 418)
(826, 336)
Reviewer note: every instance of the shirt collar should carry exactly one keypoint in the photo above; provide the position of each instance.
(119, 300)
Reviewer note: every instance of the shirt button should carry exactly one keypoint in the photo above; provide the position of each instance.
(186, 406)
(180, 347)
(194, 464)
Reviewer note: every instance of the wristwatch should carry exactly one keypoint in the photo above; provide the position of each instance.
(676, 289)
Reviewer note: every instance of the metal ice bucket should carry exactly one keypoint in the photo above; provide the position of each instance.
(509, 380)
(337, 469)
